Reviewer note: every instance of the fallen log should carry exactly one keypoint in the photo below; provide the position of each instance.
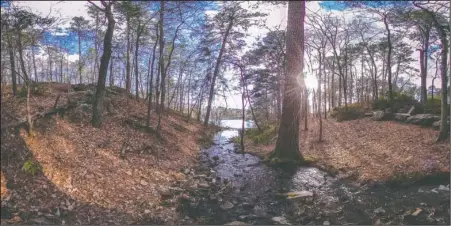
(23, 122)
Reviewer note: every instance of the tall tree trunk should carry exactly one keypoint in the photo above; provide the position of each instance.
(97, 106)
(160, 106)
(13, 65)
(216, 72)
(111, 73)
(136, 62)
(149, 105)
(128, 80)
(33, 54)
(444, 126)
(287, 145)
(319, 96)
(390, 89)
(79, 57)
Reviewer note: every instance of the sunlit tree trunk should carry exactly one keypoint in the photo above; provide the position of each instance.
(287, 145)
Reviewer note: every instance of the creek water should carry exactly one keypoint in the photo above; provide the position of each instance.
(255, 193)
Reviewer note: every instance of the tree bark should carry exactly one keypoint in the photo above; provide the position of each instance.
(149, 105)
(97, 106)
(13, 65)
(79, 57)
(128, 81)
(160, 105)
(136, 61)
(287, 145)
(390, 88)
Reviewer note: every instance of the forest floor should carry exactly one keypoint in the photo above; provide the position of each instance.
(117, 174)
(368, 151)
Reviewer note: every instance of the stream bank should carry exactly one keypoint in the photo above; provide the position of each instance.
(237, 188)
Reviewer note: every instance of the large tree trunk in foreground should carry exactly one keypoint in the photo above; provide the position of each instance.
(287, 146)
(444, 128)
(100, 91)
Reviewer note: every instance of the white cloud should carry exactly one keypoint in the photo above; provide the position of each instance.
(64, 10)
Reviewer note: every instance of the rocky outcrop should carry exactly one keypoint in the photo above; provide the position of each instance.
(423, 119)
(381, 115)
(400, 117)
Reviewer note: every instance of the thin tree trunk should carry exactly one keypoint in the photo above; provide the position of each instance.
(216, 72)
(160, 106)
(136, 62)
(128, 81)
(97, 106)
(390, 89)
(13, 66)
(149, 105)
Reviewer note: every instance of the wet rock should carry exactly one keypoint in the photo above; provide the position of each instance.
(243, 217)
(236, 223)
(379, 210)
(213, 197)
(279, 220)
(226, 206)
(417, 211)
(200, 176)
(247, 205)
(298, 194)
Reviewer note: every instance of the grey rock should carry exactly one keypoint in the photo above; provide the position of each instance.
(236, 223)
(381, 115)
(423, 119)
(379, 210)
(400, 117)
(279, 220)
(227, 205)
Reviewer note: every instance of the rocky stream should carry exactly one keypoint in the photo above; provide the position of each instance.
(234, 188)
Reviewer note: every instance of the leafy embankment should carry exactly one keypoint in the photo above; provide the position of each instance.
(368, 151)
(117, 174)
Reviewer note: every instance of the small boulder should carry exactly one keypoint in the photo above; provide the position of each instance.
(227, 205)
(236, 223)
(381, 115)
(279, 220)
(379, 210)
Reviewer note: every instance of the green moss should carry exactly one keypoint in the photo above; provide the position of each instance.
(31, 167)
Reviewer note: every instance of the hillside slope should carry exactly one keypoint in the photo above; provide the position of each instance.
(117, 174)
